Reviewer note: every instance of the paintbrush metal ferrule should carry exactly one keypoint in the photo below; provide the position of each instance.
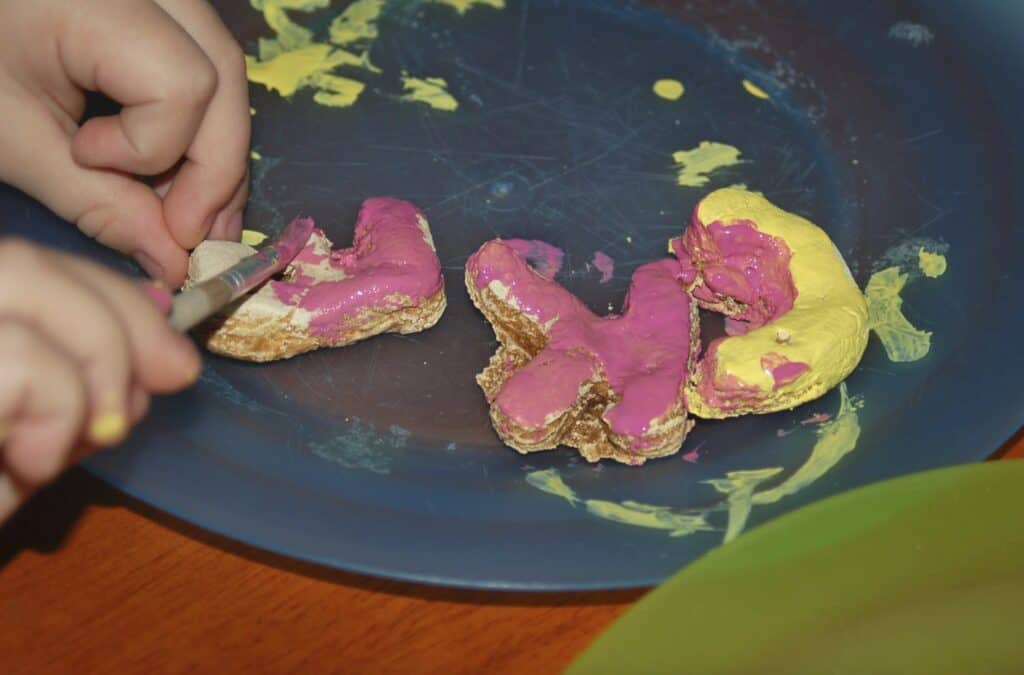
(193, 306)
(251, 272)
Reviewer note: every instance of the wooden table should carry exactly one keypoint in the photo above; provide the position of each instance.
(92, 581)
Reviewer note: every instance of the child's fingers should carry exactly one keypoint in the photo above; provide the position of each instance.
(162, 360)
(43, 404)
(204, 194)
(155, 70)
(11, 496)
(138, 404)
(80, 322)
(116, 210)
(228, 223)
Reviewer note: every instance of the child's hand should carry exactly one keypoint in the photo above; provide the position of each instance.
(81, 351)
(180, 78)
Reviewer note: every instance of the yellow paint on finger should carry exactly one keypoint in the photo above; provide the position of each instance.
(670, 90)
(932, 264)
(902, 341)
(432, 91)
(254, 155)
(108, 429)
(755, 91)
(695, 166)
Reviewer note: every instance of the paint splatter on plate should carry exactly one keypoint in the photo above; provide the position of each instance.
(538, 120)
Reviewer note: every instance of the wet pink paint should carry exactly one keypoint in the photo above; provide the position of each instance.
(294, 237)
(782, 370)
(723, 391)
(644, 353)
(816, 418)
(390, 264)
(739, 262)
(558, 374)
(542, 256)
(693, 455)
(604, 264)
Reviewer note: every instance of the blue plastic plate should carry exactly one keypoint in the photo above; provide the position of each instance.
(894, 125)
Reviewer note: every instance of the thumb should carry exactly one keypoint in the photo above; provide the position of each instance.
(111, 207)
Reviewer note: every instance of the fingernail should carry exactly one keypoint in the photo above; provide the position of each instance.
(108, 429)
(158, 293)
(152, 267)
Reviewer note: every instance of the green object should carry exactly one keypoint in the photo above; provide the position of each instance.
(922, 574)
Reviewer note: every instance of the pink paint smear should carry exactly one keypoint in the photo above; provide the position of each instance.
(640, 353)
(605, 265)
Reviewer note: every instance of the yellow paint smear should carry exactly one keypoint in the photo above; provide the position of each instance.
(289, 35)
(628, 512)
(288, 72)
(670, 90)
(463, 6)
(432, 91)
(695, 165)
(357, 25)
(932, 264)
(827, 328)
(649, 516)
(739, 487)
(293, 61)
(755, 90)
(337, 91)
(836, 439)
(902, 341)
(253, 154)
(551, 482)
(253, 238)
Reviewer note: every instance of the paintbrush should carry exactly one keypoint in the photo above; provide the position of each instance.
(193, 306)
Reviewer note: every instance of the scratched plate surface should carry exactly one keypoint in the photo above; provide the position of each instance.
(891, 124)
